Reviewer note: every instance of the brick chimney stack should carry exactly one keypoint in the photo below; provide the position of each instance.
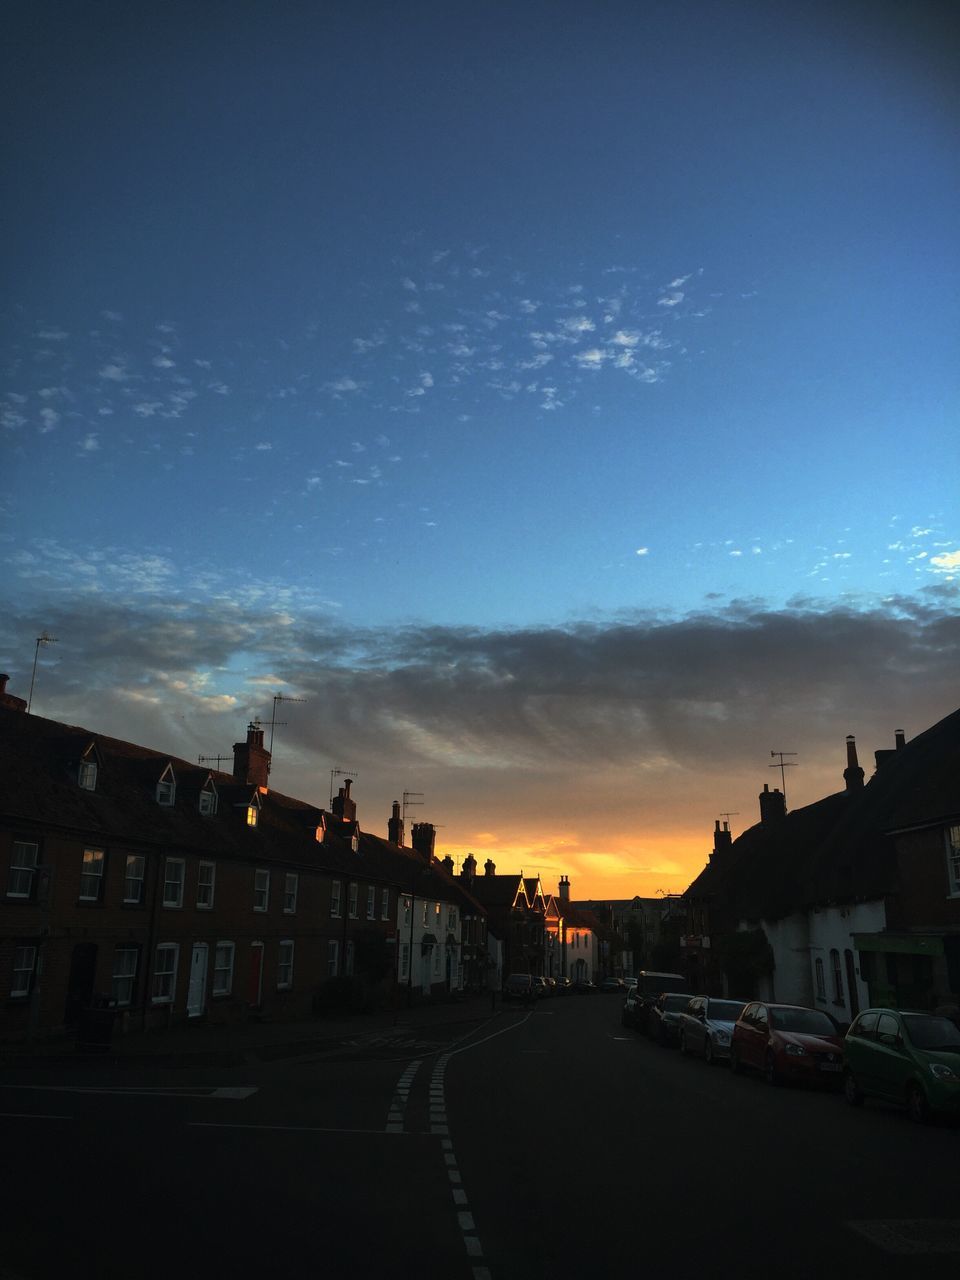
(489, 867)
(424, 837)
(251, 760)
(395, 826)
(722, 839)
(852, 774)
(469, 868)
(564, 888)
(447, 863)
(344, 807)
(773, 806)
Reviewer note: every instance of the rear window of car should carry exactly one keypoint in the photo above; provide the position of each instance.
(674, 1004)
(809, 1022)
(724, 1010)
(929, 1032)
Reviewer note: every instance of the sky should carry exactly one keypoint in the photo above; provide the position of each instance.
(560, 400)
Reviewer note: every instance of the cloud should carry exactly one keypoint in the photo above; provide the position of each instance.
(671, 299)
(947, 561)
(115, 371)
(90, 443)
(343, 385)
(643, 551)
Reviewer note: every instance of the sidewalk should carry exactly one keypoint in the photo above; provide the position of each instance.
(201, 1044)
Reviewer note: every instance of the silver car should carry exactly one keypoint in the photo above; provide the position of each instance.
(706, 1026)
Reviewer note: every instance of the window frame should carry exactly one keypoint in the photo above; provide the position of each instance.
(205, 865)
(371, 902)
(353, 900)
(18, 992)
(222, 945)
(170, 974)
(208, 801)
(100, 876)
(285, 964)
(336, 898)
(167, 788)
(952, 843)
(87, 775)
(820, 977)
(333, 957)
(139, 880)
(385, 902)
(21, 868)
(290, 897)
(257, 889)
(836, 973)
(118, 976)
(169, 862)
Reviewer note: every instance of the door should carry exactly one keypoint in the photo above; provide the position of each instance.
(83, 970)
(255, 985)
(197, 990)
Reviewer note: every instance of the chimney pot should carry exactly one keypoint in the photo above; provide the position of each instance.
(900, 738)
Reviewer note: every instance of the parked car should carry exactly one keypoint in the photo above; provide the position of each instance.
(518, 986)
(640, 998)
(584, 987)
(551, 986)
(612, 984)
(706, 1026)
(541, 988)
(912, 1059)
(787, 1042)
(663, 1021)
(564, 986)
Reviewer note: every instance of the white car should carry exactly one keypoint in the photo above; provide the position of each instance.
(706, 1026)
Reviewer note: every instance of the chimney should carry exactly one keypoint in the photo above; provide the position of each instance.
(852, 774)
(343, 807)
(883, 754)
(469, 868)
(8, 700)
(424, 836)
(395, 826)
(564, 888)
(722, 839)
(489, 867)
(251, 760)
(900, 738)
(447, 864)
(773, 807)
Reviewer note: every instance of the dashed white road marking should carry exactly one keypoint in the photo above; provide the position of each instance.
(29, 1115)
(401, 1096)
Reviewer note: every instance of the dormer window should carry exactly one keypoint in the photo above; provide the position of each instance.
(208, 800)
(87, 776)
(253, 815)
(355, 842)
(319, 834)
(167, 787)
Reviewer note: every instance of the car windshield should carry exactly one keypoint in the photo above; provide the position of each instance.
(673, 1004)
(808, 1022)
(928, 1032)
(724, 1010)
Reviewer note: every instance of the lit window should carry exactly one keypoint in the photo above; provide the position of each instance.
(223, 969)
(167, 787)
(133, 873)
(173, 877)
(261, 889)
(354, 892)
(23, 867)
(355, 842)
(91, 875)
(384, 904)
(165, 973)
(953, 858)
(291, 883)
(208, 801)
(285, 965)
(87, 775)
(24, 962)
(371, 902)
(124, 974)
(253, 815)
(335, 888)
(206, 882)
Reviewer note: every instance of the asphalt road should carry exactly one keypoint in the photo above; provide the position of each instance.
(541, 1143)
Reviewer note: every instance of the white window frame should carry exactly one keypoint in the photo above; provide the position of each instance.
(371, 902)
(167, 788)
(285, 954)
(203, 885)
(23, 872)
(208, 802)
(223, 951)
(174, 903)
(98, 876)
(128, 879)
(952, 837)
(261, 889)
(87, 775)
(124, 977)
(333, 957)
(820, 978)
(336, 898)
(836, 970)
(163, 983)
(353, 900)
(385, 903)
(24, 966)
(291, 888)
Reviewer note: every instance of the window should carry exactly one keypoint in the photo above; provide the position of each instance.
(385, 904)
(335, 888)
(167, 787)
(253, 815)
(407, 908)
(953, 859)
(165, 973)
(291, 883)
(206, 882)
(354, 891)
(371, 902)
(425, 914)
(24, 961)
(285, 965)
(208, 802)
(837, 972)
(124, 974)
(821, 980)
(87, 775)
(452, 920)
(355, 842)
(333, 957)
(133, 873)
(91, 875)
(23, 867)
(405, 960)
(223, 969)
(348, 958)
(173, 876)
(261, 889)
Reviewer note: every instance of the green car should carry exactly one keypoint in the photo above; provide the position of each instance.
(909, 1058)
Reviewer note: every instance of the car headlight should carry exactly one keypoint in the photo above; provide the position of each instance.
(721, 1037)
(941, 1072)
(795, 1050)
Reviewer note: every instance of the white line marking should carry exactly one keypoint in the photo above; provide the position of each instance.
(282, 1128)
(453, 1175)
(465, 1222)
(459, 1197)
(473, 1246)
(481, 1273)
(29, 1115)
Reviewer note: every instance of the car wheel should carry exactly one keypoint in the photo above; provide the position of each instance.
(709, 1056)
(918, 1109)
(735, 1065)
(770, 1072)
(851, 1090)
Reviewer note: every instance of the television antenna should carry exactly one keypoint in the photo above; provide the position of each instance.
(782, 765)
(279, 697)
(409, 801)
(42, 638)
(217, 760)
(339, 773)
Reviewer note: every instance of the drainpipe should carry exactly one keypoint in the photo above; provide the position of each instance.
(151, 939)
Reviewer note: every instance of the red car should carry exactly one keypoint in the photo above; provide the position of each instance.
(787, 1042)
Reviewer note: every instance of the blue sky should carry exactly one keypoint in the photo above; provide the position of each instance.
(385, 345)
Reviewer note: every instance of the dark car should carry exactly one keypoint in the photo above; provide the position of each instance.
(650, 983)
(583, 986)
(663, 1021)
(519, 986)
(612, 984)
(787, 1042)
(912, 1059)
(564, 986)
